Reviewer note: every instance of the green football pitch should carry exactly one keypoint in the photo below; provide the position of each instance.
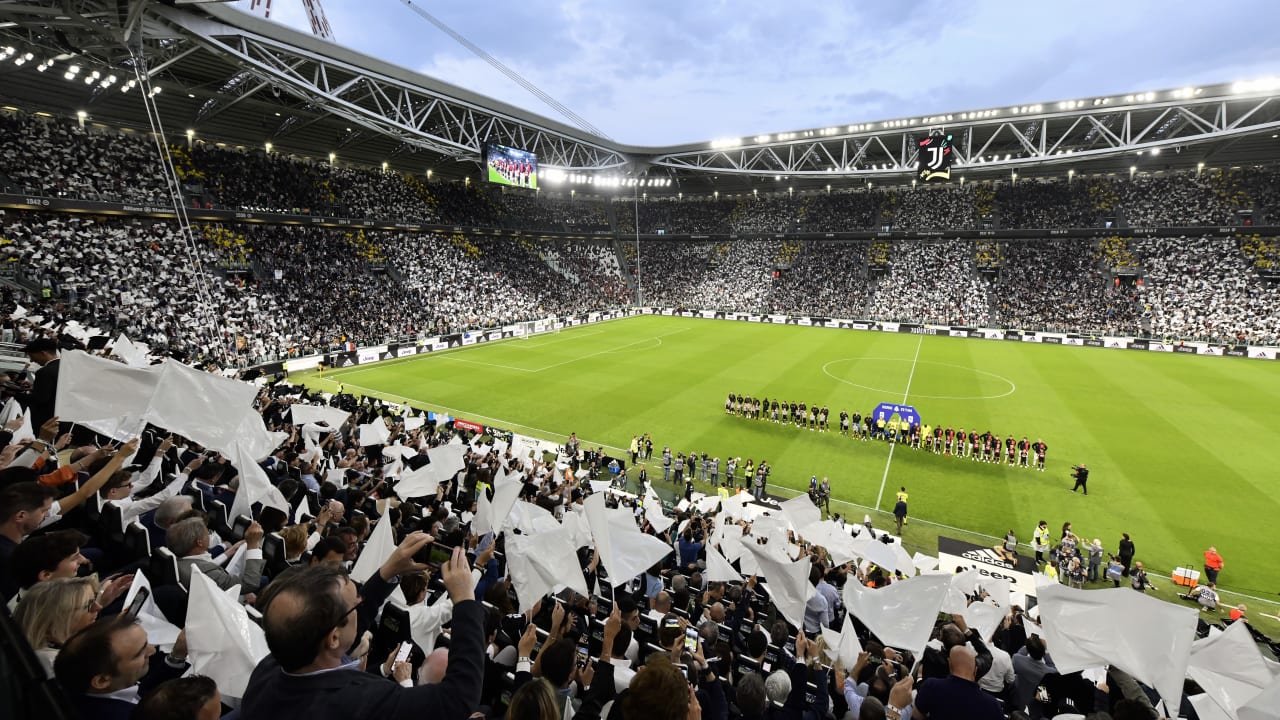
(1180, 448)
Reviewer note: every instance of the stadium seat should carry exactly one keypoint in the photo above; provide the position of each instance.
(163, 568)
(137, 542)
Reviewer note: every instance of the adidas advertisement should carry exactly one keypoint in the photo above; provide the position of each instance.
(958, 553)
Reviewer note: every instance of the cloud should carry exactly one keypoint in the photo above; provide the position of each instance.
(666, 72)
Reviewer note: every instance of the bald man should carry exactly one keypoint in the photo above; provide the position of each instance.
(434, 667)
(956, 696)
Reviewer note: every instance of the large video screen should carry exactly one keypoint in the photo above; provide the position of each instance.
(509, 166)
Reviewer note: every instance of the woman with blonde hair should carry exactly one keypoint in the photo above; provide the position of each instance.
(535, 700)
(295, 543)
(52, 611)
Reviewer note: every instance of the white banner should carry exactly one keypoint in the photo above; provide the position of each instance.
(368, 356)
(406, 351)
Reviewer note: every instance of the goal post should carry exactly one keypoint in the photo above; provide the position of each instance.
(529, 328)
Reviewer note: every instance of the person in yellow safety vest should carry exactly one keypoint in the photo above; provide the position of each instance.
(880, 428)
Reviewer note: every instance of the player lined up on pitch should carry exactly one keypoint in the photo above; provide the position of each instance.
(977, 446)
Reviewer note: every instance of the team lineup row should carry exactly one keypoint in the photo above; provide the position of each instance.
(979, 447)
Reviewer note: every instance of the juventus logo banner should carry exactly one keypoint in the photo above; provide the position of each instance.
(934, 158)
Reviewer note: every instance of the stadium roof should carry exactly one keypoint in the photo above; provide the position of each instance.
(231, 77)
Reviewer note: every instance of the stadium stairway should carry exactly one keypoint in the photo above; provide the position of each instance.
(625, 265)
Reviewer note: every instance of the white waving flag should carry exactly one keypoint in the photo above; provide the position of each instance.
(379, 547)
(624, 551)
(843, 645)
(719, 569)
(787, 583)
(1146, 637)
(222, 642)
(541, 562)
(902, 614)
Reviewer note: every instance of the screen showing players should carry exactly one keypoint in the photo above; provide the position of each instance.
(509, 166)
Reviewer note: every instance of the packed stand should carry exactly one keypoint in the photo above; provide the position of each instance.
(931, 282)
(527, 212)
(825, 279)
(1058, 285)
(931, 208)
(59, 158)
(1204, 289)
(398, 566)
(730, 275)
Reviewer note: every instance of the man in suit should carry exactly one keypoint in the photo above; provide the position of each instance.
(40, 398)
(189, 541)
(109, 666)
(309, 626)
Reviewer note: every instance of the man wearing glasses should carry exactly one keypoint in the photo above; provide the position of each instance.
(311, 617)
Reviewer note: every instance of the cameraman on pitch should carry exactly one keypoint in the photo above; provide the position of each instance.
(1081, 475)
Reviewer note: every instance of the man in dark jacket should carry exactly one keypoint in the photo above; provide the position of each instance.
(308, 626)
(40, 398)
(1126, 553)
(110, 665)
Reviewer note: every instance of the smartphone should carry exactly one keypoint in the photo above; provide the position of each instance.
(435, 555)
(691, 639)
(139, 600)
(583, 656)
(403, 653)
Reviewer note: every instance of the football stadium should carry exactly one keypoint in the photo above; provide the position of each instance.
(345, 391)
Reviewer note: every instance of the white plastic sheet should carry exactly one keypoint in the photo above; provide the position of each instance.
(844, 645)
(222, 642)
(718, 568)
(787, 583)
(304, 414)
(1146, 637)
(541, 562)
(624, 551)
(1230, 668)
(160, 631)
(374, 433)
(376, 550)
(800, 511)
(902, 614)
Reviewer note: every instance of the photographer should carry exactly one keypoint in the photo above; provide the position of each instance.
(1081, 475)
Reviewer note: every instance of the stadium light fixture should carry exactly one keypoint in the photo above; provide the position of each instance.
(332, 157)
(1133, 169)
(268, 146)
(81, 114)
(1155, 151)
(429, 173)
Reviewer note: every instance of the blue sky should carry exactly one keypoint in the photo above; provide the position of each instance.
(661, 72)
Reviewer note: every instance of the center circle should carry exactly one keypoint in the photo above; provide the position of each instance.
(827, 371)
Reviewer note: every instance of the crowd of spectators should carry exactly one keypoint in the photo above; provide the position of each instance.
(1204, 288)
(379, 578)
(62, 158)
(1057, 285)
(824, 279)
(933, 282)
(699, 274)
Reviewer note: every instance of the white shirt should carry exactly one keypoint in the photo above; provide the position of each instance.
(1001, 671)
(622, 673)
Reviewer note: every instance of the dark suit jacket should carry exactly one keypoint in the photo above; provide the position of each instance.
(353, 695)
(96, 707)
(39, 400)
